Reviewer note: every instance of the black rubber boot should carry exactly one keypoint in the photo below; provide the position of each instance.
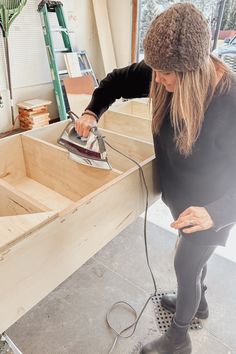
(168, 301)
(175, 341)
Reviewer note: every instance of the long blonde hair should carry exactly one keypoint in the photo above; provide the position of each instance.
(188, 103)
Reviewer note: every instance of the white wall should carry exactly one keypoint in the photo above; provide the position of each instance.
(80, 20)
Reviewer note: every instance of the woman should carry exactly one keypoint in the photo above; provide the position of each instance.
(194, 128)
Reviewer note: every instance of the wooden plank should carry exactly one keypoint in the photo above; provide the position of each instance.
(13, 202)
(134, 31)
(104, 35)
(43, 195)
(78, 103)
(79, 85)
(132, 147)
(50, 133)
(51, 166)
(38, 264)
(12, 164)
(137, 149)
(131, 126)
(16, 228)
(134, 108)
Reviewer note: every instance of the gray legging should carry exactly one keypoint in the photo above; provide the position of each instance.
(190, 267)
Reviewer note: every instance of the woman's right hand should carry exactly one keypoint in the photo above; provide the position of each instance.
(84, 124)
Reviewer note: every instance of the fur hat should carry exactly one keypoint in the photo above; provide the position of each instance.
(178, 39)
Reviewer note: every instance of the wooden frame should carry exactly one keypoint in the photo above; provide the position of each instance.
(134, 46)
(55, 214)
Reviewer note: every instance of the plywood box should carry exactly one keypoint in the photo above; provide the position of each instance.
(138, 107)
(55, 213)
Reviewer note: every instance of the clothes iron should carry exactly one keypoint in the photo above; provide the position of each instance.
(89, 151)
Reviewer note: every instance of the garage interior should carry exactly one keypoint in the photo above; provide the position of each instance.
(69, 315)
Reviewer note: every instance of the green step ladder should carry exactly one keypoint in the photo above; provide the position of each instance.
(45, 7)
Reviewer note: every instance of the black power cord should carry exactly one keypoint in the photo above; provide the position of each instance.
(134, 324)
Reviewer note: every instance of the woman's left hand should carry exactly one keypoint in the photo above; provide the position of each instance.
(193, 219)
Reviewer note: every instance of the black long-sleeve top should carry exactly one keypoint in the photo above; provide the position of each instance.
(205, 178)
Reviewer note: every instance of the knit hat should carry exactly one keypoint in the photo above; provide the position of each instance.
(178, 39)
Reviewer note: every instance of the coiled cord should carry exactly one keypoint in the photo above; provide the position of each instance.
(134, 324)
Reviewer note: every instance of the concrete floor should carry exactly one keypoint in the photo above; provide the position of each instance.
(71, 320)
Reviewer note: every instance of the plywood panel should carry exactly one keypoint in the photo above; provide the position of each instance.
(12, 202)
(51, 166)
(131, 146)
(104, 34)
(135, 127)
(79, 85)
(12, 164)
(78, 103)
(44, 195)
(135, 108)
(15, 228)
(50, 133)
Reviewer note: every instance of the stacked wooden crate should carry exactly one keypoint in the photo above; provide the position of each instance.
(33, 114)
